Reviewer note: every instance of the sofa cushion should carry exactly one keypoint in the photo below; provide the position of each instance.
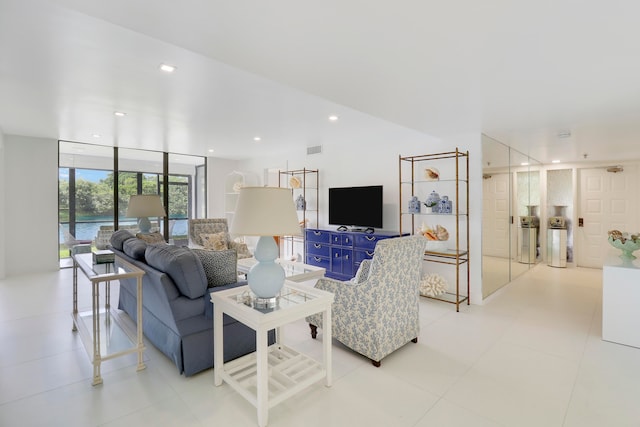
(135, 248)
(151, 238)
(220, 267)
(119, 237)
(215, 241)
(182, 265)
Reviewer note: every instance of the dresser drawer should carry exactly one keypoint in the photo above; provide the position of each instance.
(368, 241)
(318, 261)
(320, 249)
(339, 239)
(362, 254)
(318, 236)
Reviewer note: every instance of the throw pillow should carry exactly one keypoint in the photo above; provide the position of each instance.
(215, 241)
(220, 267)
(181, 265)
(135, 248)
(119, 237)
(151, 238)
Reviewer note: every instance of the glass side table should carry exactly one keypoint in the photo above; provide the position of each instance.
(274, 372)
(103, 332)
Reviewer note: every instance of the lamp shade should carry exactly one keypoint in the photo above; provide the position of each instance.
(144, 205)
(265, 211)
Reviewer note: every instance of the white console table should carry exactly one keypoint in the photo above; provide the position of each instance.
(621, 300)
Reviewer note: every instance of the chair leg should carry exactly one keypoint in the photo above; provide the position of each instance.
(375, 363)
(314, 331)
(415, 340)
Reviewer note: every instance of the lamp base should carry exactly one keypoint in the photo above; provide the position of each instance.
(144, 225)
(265, 302)
(266, 278)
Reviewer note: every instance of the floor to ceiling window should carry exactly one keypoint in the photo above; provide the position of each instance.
(90, 176)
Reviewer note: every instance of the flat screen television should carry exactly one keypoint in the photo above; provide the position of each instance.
(356, 206)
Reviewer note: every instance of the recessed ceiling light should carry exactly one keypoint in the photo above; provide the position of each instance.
(555, 161)
(168, 68)
(95, 135)
(120, 114)
(524, 164)
(211, 150)
(333, 118)
(257, 138)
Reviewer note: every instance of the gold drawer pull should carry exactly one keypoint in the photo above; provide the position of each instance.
(317, 245)
(371, 239)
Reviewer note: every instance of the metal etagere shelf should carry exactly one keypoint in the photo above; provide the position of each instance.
(302, 182)
(455, 176)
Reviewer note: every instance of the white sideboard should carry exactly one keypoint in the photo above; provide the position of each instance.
(621, 300)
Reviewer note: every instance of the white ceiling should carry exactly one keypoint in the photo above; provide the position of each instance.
(519, 71)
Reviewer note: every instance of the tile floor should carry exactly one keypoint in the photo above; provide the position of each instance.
(532, 355)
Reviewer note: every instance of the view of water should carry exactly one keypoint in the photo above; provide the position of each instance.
(89, 230)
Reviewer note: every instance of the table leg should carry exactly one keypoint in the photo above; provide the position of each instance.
(262, 377)
(75, 294)
(141, 364)
(95, 309)
(218, 347)
(326, 344)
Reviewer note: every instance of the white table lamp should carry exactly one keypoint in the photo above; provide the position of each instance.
(265, 212)
(142, 206)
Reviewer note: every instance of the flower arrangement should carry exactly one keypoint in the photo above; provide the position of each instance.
(432, 285)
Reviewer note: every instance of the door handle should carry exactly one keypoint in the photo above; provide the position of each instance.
(580, 222)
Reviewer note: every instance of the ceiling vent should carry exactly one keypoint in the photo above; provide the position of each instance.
(316, 149)
(565, 133)
(615, 169)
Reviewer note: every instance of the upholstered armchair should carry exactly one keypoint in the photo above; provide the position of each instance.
(203, 231)
(377, 312)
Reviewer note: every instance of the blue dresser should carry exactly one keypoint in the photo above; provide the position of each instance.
(341, 252)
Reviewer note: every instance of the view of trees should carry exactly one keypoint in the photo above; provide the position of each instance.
(95, 199)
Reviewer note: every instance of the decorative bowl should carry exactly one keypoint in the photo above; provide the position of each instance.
(627, 248)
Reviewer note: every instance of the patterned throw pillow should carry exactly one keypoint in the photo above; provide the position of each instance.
(151, 238)
(220, 267)
(215, 241)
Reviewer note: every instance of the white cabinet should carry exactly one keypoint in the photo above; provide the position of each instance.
(620, 296)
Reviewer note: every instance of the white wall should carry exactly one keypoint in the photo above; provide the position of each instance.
(370, 161)
(31, 204)
(3, 181)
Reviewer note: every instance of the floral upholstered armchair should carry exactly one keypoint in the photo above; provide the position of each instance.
(213, 233)
(377, 313)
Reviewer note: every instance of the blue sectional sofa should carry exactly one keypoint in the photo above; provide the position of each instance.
(177, 313)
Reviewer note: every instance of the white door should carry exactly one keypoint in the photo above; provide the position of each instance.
(495, 216)
(607, 201)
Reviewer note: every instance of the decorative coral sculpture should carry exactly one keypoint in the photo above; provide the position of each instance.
(432, 285)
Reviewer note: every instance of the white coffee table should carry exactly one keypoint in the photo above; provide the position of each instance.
(293, 271)
(274, 372)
